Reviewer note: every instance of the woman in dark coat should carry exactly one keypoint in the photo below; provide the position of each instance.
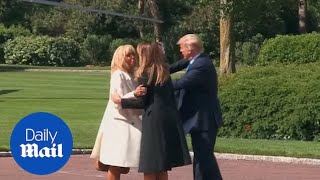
(163, 143)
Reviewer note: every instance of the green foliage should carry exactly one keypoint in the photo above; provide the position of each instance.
(313, 14)
(13, 12)
(268, 17)
(291, 49)
(49, 22)
(63, 52)
(94, 50)
(25, 50)
(273, 102)
(42, 50)
(170, 40)
(10, 33)
(251, 17)
(202, 20)
(247, 52)
(57, 22)
(79, 25)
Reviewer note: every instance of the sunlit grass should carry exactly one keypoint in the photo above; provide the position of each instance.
(80, 99)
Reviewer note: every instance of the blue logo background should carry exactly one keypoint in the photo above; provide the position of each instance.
(41, 121)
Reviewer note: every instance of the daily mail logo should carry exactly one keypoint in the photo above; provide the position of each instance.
(32, 150)
(41, 143)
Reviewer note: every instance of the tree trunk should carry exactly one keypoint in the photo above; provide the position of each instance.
(227, 45)
(141, 13)
(154, 10)
(302, 16)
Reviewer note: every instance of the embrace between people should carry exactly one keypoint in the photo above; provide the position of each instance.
(148, 114)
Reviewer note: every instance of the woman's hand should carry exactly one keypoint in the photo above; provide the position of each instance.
(116, 98)
(140, 91)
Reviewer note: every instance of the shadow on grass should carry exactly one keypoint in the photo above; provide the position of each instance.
(12, 68)
(4, 149)
(2, 92)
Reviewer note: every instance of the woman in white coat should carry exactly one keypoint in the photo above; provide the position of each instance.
(118, 140)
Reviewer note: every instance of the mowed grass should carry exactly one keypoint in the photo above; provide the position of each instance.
(80, 99)
(289, 148)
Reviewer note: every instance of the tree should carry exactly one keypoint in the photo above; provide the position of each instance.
(227, 44)
(13, 12)
(154, 11)
(302, 16)
(141, 13)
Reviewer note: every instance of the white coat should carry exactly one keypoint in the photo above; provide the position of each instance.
(118, 139)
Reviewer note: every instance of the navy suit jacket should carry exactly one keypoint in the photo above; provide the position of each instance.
(197, 95)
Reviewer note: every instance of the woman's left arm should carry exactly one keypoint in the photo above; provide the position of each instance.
(134, 103)
(130, 103)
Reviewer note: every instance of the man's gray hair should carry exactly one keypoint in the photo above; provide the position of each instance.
(192, 41)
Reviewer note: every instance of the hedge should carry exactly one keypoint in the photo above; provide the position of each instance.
(272, 102)
(42, 50)
(10, 33)
(287, 49)
(94, 50)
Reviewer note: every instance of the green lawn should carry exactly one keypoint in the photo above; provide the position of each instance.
(269, 147)
(80, 99)
(10, 67)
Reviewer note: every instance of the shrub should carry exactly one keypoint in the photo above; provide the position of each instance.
(247, 52)
(273, 102)
(49, 22)
(63, 52)
(286, 49)
(26, 50)
(42, 50)
(10, 33)
(94, 50)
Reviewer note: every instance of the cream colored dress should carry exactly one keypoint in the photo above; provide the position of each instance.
(118, 138)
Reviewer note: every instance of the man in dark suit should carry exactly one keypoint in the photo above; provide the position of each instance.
(199, 105)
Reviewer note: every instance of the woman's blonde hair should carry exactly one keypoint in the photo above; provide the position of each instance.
(152, 63)
(119, 58)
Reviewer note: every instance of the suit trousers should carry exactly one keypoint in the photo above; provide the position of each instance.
(205, 166)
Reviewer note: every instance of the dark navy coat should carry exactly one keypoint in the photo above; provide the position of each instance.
(197, 94)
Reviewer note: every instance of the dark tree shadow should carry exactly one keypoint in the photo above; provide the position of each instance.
(8, 91)
(11, 69)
